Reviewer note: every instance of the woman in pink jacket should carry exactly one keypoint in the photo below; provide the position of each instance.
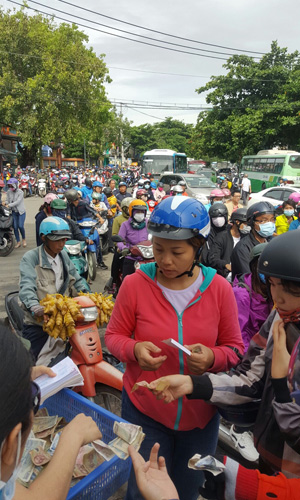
(178, 298)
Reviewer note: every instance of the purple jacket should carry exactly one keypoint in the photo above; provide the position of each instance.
(253, 309)
(132, 236)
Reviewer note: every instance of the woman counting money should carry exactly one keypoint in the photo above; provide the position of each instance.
(175, 297)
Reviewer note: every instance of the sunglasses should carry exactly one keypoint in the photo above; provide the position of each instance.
(36, 397)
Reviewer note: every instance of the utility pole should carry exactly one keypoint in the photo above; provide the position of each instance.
(121, 138)
(84, 153)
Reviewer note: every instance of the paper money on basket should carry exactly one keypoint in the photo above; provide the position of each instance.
(161, 386)
(209, 463)
(127, 434)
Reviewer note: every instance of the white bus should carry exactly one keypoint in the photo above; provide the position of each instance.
(161, 161)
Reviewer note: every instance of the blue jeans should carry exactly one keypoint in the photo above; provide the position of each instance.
(19, 221)
(176, 446)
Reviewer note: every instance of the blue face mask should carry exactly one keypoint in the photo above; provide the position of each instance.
(262, 277)
(267, 229)
(288, 213)
(7, 490)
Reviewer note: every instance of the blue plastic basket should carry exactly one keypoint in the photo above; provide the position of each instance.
(106, 479)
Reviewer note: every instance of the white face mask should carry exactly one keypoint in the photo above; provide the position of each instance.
(139, 217)
(7, 490)
(218, 221)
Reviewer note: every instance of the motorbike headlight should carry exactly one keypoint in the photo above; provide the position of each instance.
(89, 313)
(102, 229)
(87, 223)
(147, 252)
(73, 249)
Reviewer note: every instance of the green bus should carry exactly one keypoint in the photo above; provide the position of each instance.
(268, 166)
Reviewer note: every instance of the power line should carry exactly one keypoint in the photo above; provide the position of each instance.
(118, 36)
(146, 114)
(160, 32)
(130, 32)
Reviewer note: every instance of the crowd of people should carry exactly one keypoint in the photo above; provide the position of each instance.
(224, 283)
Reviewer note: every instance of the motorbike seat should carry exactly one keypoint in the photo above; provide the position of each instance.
(14, 311)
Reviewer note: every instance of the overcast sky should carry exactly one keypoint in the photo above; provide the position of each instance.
(243, 24)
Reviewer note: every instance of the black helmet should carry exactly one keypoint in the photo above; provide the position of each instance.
(173, 183)
(59, 183)
(218, 209)
(261, 207)
(107, 191)
(88, 182)
(281, 257)
(71, 195)
(240, 214)
(256, 251)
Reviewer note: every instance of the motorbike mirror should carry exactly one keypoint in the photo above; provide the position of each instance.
(117, 239)
(113, 206)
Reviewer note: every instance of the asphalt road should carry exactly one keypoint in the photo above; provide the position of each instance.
(10, 264)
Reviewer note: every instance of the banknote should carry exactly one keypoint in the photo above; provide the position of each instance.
(209, 463)
(103, 449)
(41, 424)
(161, 386)
(39, 456)
(26, 465)
(126, 434)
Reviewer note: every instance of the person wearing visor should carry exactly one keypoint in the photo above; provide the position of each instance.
(261, 219)
(174, 297)
(221, 247)
(268, 377)
(46, 269)
(19, 401)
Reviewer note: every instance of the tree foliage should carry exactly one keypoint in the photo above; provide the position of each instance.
(51, 84)
(256, 105)
(168, 134)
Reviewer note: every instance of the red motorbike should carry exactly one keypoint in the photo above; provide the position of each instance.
(25, 187)
(103, 382)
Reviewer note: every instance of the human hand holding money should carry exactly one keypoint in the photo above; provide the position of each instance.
(201, 359)
(169, 388)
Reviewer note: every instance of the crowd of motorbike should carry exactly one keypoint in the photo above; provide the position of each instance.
(108, 211)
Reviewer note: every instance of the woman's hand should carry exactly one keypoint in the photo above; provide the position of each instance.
(143, 353)
(280, 357)
(152, 477)
(84, 428)
(37, 371)
(178, 386)
(201, 359)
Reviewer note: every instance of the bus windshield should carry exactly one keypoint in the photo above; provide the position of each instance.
(157, 164)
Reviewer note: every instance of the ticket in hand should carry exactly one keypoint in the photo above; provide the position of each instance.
(174, 343)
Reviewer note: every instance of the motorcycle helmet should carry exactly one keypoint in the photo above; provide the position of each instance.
(153, 185)
(259, 208)
(226, 192)
(240, 214)
(88, 182)
(13, 182)
(122, 183)
(140, 193)
(172, 183)
(216, 193)
(177, 190)
(71, 195)
(295, 197)
(59, 204)
(107, 191)
(50, 197)
(182, 183)
(55, 229)
(179, 218)
(136, 205)
(281, 258)
(125, 205)
(2, 183)
(218, 209)
(96, 196)
(97, 184)
(256, 251)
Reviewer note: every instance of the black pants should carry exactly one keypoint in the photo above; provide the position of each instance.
(128, 267)
(37, 337)
(116, 266)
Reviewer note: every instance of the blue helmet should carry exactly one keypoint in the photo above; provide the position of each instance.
(97, 184)
(55, 228)
(122, 183)
(153, 185)
(179, 218)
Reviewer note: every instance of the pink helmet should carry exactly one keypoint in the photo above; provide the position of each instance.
(50, 197)
(295, 197)
(226, 192)
(217, 193)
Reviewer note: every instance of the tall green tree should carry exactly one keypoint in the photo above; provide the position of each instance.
(256, 105)
(168, 134)
(51, 83)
